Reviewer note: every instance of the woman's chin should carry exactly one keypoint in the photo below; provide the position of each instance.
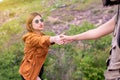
(40, 28)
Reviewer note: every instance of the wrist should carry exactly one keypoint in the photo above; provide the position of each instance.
(52, 39)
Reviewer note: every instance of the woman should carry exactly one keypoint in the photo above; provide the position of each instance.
(36, 47)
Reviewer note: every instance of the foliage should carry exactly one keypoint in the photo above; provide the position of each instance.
(8, 30)
(10, 62)
(75, 62)
(81, 60)
(69, 62)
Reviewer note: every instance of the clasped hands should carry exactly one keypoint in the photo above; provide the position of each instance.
(62, 39)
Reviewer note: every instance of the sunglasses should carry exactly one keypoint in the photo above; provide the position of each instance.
(38, 20)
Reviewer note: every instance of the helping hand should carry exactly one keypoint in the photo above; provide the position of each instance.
(66, 39)
(58, 40)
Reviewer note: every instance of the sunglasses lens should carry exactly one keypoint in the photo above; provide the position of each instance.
(41, 20)
(36, 21)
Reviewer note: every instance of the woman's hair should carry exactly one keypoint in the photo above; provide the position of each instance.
(29, 21)
(110, 2)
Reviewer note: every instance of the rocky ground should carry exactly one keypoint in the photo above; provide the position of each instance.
(61, 18)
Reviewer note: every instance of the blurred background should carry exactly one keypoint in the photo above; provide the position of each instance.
(80, 60)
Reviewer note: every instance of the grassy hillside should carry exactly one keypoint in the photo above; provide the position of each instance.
(14, 13)
(74, 61)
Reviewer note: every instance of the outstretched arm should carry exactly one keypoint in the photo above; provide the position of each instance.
(98, 32)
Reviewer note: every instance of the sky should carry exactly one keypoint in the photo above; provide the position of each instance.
(1, 0)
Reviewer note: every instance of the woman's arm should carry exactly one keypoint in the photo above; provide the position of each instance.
(98, 32)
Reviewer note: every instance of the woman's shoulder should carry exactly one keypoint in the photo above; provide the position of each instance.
(27, 35)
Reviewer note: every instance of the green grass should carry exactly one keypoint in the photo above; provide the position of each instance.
(8, 30)
(79, 29)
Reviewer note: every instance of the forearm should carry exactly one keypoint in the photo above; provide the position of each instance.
(88, 35)
(98, 32)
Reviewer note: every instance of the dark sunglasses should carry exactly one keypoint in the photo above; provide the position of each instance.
(37, 20)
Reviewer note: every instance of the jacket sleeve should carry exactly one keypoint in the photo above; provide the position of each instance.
(38, 41)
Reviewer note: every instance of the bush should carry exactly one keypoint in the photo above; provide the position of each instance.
(76, 62)
(10, 61)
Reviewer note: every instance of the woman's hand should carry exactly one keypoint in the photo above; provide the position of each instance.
(66, 39)
(58, 40)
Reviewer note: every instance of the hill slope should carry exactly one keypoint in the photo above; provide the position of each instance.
(75, 61)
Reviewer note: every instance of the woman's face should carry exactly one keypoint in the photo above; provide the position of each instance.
(37, 23)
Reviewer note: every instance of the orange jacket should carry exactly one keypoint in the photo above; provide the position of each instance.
(35, 52)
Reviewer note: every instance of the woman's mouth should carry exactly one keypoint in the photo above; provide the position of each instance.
(40, 26)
